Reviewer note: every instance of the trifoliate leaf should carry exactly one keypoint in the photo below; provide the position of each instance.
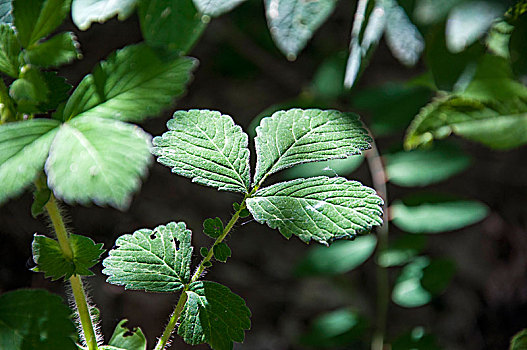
(60, 49)
(207, 147)
(300, 136)
(30, 90)
(85, 12)
(213, 227)
(154, 261)
(107, 158)
(293, 22)
(5, 11)
(128, 338)
(215, 8)
(24, 147)
(340, 257)
(322, 209)
(35, 19)
(221, 251)
(9, 51)
(121, 87)
(35, 319)
(402, 250)
(174, 25)
(519, 341)
(49, 258)
(214, 315)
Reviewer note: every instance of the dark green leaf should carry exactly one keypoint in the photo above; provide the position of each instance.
(175, 25)
(126, 338)
(402, 250)
(437, 275)
(203, 251)
(85, 12)
(9, 51)
(214, 315)
(340, 257)
(213, 227)
(40, 199)
(5, 11)
(519, 341)
(154, 261)
(417, 339)
(222, 252)
(245, 213)
(30, 90)
(215, 8)
(35, 319)
(207, 264)
(49, 258)
(60, 49)
(518, 47)
(59, 91)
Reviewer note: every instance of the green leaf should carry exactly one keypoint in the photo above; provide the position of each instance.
(518, 48)
(416, 339)
(9, 51)
(437, 275)
(5, 11)
(35, 19)
(498, 38)
(423, 167)
(60, 49)
(175, 25)
(408, 291)
(222, 252)
(24, 147)
(121, 87)
(215, 8)
(214, 315)
(402, 250)
(213, 227)
(330, 167)
(107, 157)
(126, 338)
(30, 90)
(293, 22)
(59, 91)
(40, 199)
(519, 341)
(203, 251)
(85, 12)
(207, 147)
(340, 257)
(300, 136)
(434, 216)
(328, 79)
(335, 329)
(154, 261)
(322, 209)
(245, 213)
(432, 11)
(35, 319)
(49, 258)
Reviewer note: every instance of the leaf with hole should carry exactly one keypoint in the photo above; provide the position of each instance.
(127, 338)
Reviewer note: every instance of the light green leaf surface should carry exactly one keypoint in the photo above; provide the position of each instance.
(98, 160)
(58, 50)
(213, 314)
(435, 217)
(423, 167)
(293, 22)
(9, 51)
(300, 136)
(215, 8)
(85, 12)
(402, 250)
(154, 261)
(35, 319)
(30, 90)
(35, 19)
(126, 338)
(50, 260)
(121, 87)
(332, 167)
(5, 11)
(175, 25)
(208, 148)
(322, 209)
(340, 257)
(24, 147)
(432, 11)
(408, 291)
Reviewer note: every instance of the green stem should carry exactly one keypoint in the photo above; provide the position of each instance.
(161, 343)
(75, 281)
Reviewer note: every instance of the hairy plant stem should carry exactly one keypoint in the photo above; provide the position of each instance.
(174, 318)
(75, 281)
(383, 286)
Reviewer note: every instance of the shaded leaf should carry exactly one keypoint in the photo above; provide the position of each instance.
(222, 252)
(402, 250)
(58, 88)
(126, 338)
(433, 11)
(207, 147)
(416, 339)
(40, 199)
(60, 49)
(215, 8)
(320, 208)
(85, 12)
(9, 51)
(519, 341)
(152, 260)
(437, 275)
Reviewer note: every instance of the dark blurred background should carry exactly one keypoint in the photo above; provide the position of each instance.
(241, 73)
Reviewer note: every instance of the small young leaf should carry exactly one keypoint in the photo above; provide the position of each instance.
(24, 147)
(214, 315)
(300, 136)
(35, 319)
(126, 338)
(49, 257)
(322, 209)
(244, 213)
(60, 49)
(213, 227)
(154, 261)
(207, 147)
(85, 12)
(519, 341)
(9, 51)
(40, 199)
(175, 25)
(35, 19)
(203, 251)
(30, 90)
(293, 22)
(236, 206)
(222, 252)
(215, 8)
(107, 157)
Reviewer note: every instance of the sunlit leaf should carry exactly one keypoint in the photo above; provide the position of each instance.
(408, 291)
(85, 12)
(215, 8)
